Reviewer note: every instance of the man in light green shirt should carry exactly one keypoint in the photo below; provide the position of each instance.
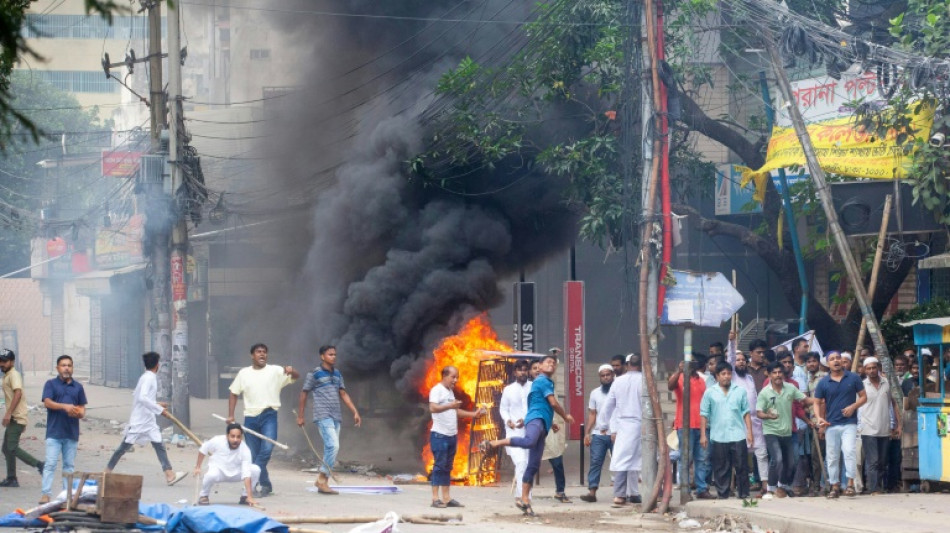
(774, 408)
(725, 408)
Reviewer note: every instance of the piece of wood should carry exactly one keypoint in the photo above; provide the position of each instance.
(255, 433)
(878, 251)
(118, 499)
(427, 519)
(184, 428)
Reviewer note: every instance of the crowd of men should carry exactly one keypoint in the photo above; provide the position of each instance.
(240, 455)
(768, 423)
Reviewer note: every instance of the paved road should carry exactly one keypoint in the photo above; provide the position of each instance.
(487, 509)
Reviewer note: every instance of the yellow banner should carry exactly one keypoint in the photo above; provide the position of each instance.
(841, 149)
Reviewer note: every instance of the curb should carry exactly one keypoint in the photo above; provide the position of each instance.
(762, 517)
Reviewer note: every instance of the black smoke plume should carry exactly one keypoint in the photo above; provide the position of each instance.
(393, 266)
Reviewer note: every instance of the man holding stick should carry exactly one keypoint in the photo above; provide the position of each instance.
(142, 426)
(230, 462)
(443, 439)
(325, 383)
(260, 385)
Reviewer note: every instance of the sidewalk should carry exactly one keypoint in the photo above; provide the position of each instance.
(889, 513)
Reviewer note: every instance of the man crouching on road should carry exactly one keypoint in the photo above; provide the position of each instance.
(230, 462)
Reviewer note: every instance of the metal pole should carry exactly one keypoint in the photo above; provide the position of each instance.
(581, 450)
(179, 252)
(841, 241)
(686, 431)
(157, 212)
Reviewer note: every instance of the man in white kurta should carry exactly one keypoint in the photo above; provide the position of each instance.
(142, 426)
(512, 408)
(230, 462)
(624, 402)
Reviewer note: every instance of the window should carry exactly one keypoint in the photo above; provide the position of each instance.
(260, 53)
(86, 27)
(77, 81)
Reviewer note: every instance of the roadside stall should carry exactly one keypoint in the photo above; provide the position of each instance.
(931, 339)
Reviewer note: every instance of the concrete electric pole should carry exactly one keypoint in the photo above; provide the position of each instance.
(179, 248)
(158, 209)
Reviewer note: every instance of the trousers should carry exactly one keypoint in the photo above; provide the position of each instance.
(124, 447)
(214, 476)
(12, 449)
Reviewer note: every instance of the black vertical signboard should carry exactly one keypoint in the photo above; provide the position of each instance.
(525, 329)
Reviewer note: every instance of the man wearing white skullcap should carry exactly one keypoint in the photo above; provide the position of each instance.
(625, 460)
(874, 423)
(598, 431)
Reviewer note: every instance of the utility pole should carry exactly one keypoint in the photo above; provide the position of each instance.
(158, 208)
(179, 248)
(841, 241)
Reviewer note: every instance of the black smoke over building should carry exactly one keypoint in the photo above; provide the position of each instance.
(395, 265)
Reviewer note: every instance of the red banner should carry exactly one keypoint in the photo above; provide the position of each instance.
(117, 164)
(179, 289)
(575, 344)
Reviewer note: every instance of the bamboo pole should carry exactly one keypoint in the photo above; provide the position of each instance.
(878, 252)
(414, 519)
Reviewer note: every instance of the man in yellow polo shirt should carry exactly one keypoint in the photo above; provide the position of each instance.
(260, 385)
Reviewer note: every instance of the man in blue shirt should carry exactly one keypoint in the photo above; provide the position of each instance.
(542, 404)
(65, 402)
(725, 409)
(838, 396)
(325, 383)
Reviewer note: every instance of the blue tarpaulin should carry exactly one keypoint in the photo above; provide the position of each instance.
(17, 520)
(221, 518)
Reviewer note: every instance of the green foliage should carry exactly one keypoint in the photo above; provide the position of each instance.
(14, 47)
(24, 186)
(899, 338)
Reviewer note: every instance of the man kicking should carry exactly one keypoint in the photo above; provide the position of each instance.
(542, 404)
(230, 462)
(142, 426)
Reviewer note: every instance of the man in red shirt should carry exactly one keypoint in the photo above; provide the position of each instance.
(700, 455)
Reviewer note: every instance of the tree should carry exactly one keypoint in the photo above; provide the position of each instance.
(25, 188)
(552, 104)
(14, 48)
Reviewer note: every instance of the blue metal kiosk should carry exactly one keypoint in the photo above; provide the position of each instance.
(933, 408)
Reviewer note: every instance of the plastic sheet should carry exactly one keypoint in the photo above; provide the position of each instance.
(17, 520)
(221, 518)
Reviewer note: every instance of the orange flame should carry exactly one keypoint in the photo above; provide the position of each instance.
(462, 351)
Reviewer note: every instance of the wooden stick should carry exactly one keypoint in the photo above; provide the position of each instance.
(314, 450)
(183, 428)
(197, 489)
(735, 316)
(878, 251)
(428, 519)
(256, 434)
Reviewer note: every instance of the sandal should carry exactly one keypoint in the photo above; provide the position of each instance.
(849, 492)
(834, 493)
(561, 497)
(453, 503)
(204, 501)
(438, 504)
(529, 512)
(522, 506)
